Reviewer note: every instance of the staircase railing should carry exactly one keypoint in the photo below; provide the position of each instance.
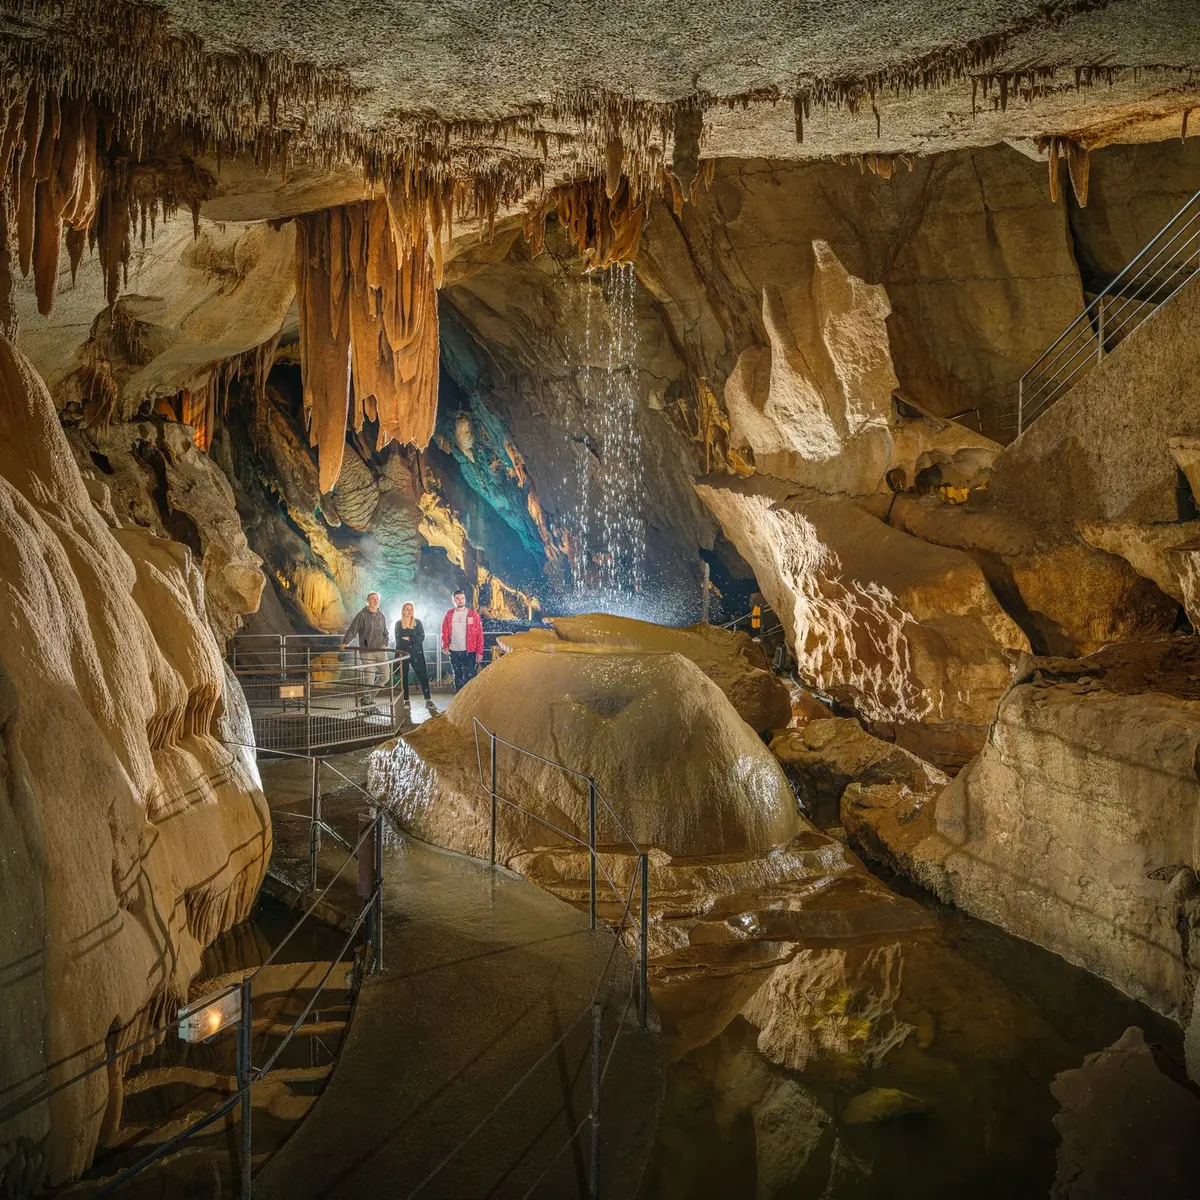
(1163, 266)
(231, 1009)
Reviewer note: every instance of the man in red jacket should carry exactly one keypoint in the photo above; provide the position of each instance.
(462, 635)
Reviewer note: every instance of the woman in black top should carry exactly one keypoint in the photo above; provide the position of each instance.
(410, 640)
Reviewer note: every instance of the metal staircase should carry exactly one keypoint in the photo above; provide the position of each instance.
(1165, 265)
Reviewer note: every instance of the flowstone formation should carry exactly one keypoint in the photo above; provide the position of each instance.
(132, 834)
(733, 661)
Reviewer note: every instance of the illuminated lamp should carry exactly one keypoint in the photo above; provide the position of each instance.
(291, 691)
(205, 1018)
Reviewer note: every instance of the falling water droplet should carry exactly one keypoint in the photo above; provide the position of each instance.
(610, 526)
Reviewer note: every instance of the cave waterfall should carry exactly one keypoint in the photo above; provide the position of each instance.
(610, 526)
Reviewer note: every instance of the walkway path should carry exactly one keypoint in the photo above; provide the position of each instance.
(483, 972)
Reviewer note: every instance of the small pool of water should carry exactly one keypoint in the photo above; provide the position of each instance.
(990, 1022)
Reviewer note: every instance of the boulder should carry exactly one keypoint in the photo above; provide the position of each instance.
(824, 757)
(131, 836)
(733, 661)
(1071, 591)
(818, 406)
(906, 634)
(1078, 825)
(806, 707)
(667, 751)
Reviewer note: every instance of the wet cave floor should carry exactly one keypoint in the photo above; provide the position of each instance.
(993, 1021)
(970, 1022)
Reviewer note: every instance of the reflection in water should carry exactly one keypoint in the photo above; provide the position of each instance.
(180, 1082)
(969, 1025)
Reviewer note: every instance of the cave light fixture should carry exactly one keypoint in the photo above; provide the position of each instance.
(204, 1018)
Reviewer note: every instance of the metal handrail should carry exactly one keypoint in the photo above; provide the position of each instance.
(247, 1074)
(594, 862)
(1158, 272)
(595, 1006)
(317, 699)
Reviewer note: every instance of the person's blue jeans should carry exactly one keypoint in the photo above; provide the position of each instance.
(465, 666)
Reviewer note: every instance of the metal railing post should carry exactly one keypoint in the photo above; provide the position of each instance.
(643, 942)
(314, 828)
(377, 880)
(307, 698)
(592, 848)
(492, 841)
(244, 1076)
(1100, 330)
(594, 1167)
(1020, 403)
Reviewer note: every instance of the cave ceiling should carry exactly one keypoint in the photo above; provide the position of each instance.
(528, 93)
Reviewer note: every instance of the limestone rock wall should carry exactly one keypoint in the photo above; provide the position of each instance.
(1102, 452)
(977, 264)
(1078, 825)
(150, 475)
(534, 343)
(131, 835)
(193, 297)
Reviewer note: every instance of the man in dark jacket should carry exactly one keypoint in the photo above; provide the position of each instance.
(370, 626)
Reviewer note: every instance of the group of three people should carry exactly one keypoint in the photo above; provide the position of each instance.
(462, 636)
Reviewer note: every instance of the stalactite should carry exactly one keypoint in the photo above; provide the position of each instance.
(69, 178)
(367, 294)
(1079, 168)
(324, 357)
(613, 166)
(685, 158)
(1058, 147)
(603, 230)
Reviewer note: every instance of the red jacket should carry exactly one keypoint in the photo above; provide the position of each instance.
(474, 631)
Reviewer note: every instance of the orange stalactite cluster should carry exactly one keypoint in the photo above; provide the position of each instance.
(68, 180)
(604, 216)
(605, 227)
(48, 158)
(366, 286)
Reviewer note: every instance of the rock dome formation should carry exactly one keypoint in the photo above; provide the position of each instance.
(608, 715)
(132, 835)
(733, 661)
